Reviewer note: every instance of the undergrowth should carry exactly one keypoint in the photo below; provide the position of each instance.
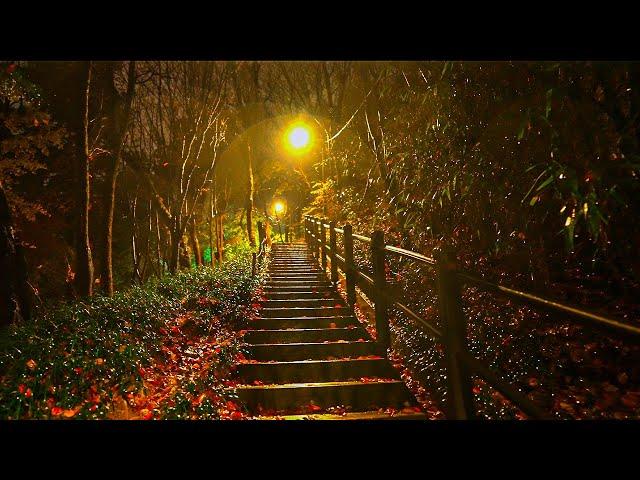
(78, 359)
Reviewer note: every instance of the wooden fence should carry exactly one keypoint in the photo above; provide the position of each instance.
(461, 365)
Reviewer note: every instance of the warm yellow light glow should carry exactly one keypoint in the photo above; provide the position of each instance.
(298, 138)
(278, 208)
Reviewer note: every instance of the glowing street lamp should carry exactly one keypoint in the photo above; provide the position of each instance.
(298, 138)
(278, 208)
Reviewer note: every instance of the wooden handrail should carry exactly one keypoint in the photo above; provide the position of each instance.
(409, 254)
(461, 364)
(362, 238)
(552, 305)
(523, 402)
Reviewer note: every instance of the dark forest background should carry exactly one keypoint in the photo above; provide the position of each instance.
(112, 173)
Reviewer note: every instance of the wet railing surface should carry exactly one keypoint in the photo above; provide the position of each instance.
(337, 251)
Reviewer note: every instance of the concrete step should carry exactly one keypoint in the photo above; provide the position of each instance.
(306, 351)
(294, 266)
(303, 322)
(293, 273)
(303, 302)
(295, 270)
(359, 396)
(303, 260)
(295, 277)
(300, 268)
(309, 284)
(305, 335)
(298, 288)
(311, 351)
(303, 312)
(363, 416)
(316, 370)
(329, 294)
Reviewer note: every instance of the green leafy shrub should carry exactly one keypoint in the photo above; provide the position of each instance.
(75, 357)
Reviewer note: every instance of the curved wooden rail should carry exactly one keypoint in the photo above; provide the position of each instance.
(461, 364)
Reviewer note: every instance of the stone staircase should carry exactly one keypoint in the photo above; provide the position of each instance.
(308, 353)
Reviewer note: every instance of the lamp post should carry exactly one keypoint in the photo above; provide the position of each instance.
(299, 140)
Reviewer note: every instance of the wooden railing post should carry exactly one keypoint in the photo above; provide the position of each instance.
(332, 246)
(380, 288)
(316, 241)
(349, 266)
(306, 228)
(323, 244)
(459, 383)
(286, 234)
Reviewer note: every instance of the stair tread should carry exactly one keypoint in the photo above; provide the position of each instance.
(330, 359)
(311, 344)
(310, 318)
(280, 323)
(297, 309)
(347, 383)
(319, 361)
(372, 415)
(298, 330)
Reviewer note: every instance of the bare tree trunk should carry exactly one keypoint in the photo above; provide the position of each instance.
(184, 259)
(149, 263)
(195, 243)
(267, 224)
(267, 232)
(174, 252)
(247, 120)
(84, 267)
(16, 294)
(134, 243)
(211, 227)
(108, 254)
(249, 202)
(118, 132)
(168, 252)
(220, 236)
(158, 243)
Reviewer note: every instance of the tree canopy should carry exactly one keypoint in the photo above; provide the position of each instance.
(527, 168)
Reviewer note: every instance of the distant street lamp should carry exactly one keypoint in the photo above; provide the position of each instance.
(279, 209)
